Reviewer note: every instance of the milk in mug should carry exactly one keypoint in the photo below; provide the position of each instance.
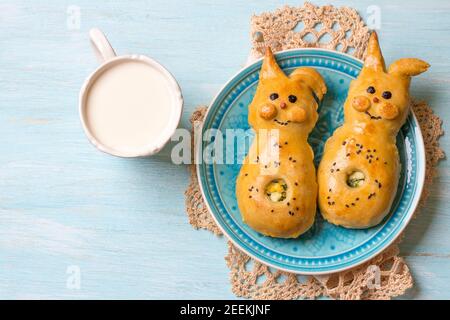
(128, 106)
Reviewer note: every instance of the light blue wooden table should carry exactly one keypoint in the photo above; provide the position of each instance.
(67, 209)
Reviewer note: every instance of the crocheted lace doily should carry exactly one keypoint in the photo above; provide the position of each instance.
(252, 279)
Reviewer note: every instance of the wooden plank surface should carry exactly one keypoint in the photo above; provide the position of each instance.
(121, 223)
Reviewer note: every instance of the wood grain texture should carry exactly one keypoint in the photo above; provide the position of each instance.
(122, 222)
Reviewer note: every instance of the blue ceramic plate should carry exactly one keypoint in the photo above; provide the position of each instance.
(325, 248)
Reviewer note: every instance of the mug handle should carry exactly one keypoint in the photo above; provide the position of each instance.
(101, 45)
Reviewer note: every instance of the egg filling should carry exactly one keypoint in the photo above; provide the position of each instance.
(355, 179)
(276, 190)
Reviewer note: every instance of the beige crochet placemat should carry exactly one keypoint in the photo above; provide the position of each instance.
(252, 279)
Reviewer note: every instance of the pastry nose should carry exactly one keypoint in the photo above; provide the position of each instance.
(283, 105)
(376, 100)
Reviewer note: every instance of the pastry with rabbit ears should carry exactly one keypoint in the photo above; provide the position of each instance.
(359, 172)
(276, 188)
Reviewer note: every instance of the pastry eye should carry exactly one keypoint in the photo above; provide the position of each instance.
(371, 90)
(292, 98)
(387, 95)
(274, 96)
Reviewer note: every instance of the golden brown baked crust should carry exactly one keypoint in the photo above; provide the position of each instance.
(276, 188)
(376, 107)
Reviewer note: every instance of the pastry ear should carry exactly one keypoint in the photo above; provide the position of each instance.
(408, 67)
(312, 79)
(374, 58)
(270, 68)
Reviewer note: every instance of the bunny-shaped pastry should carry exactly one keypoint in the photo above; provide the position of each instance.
(277, 194)
(359, 172)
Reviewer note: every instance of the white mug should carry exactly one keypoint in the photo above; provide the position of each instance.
(108, 57)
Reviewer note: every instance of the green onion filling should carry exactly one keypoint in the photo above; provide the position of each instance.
(355, 179)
